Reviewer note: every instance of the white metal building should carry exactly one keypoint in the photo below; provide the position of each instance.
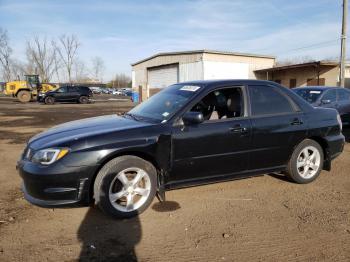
(161, 70)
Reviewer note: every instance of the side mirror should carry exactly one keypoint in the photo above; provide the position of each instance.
(325, 101)
(192, 118)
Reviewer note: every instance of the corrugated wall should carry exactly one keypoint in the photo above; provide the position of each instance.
(191, 71)
(254, 63)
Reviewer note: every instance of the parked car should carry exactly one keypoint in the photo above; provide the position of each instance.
(79, 94)
(329, 97)
(104, 91)
(95, 89)
(117, 92)
(127, 93)
(188, 134)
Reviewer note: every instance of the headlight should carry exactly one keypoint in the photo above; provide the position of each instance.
(49, 155)
(340, 122)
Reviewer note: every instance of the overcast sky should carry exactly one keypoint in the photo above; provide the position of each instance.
(123, 32)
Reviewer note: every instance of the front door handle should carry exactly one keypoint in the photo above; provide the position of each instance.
(238, 129)
(296, 121)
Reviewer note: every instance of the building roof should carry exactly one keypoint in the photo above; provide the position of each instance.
(200, 52)
(307, 64)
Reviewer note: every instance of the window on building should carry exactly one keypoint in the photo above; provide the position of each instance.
(266, 100)
(221, 104)
(292, 82)
(278, 81)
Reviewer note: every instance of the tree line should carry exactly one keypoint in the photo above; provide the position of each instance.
(53, 60)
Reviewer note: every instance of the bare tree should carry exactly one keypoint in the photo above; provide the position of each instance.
(98, 68)
(42, 55)
(19, 69)
(58, 68)
(80, 71)
(121, 80)
(5, 55)
(295, 60)
(67, 50)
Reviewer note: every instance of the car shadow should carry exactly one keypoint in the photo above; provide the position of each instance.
(107, 239)
(280, 176)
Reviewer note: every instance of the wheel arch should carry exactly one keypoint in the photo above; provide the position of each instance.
(22, 89)
(323, 143)
(145, 156)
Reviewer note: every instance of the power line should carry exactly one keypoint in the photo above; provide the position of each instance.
(325, 43)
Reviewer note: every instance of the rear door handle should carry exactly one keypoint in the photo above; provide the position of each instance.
(296, 121)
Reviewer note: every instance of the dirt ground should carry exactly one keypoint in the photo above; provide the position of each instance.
(265, 218)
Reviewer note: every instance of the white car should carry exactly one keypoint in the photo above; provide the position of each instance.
(117, 92)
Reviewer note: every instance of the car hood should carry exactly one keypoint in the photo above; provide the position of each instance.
(79, 129)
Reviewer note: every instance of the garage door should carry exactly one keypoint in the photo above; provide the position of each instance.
(163, 76)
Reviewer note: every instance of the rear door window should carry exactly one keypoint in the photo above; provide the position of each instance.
(330, 95)
(267, 100)
(343, 95)
(73, 89)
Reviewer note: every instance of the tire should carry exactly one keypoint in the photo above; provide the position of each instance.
(24, 96)
(49, 100)
(83, 100)
(306, 162)
(114, 195)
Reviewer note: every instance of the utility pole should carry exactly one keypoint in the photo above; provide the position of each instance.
(343, 45)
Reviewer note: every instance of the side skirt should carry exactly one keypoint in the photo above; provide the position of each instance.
(220, 178)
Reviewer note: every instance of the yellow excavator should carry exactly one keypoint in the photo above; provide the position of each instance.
(28, 89)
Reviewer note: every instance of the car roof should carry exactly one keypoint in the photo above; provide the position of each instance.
(227, 81)
(321, 88)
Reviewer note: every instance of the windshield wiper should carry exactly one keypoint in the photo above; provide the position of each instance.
(133, 116)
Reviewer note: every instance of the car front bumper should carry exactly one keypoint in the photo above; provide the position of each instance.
(55, 185)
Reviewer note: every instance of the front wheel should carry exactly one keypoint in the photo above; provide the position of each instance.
(125, 186)
(306, 162)
(83, 100)
(24, 96)
(49, 100)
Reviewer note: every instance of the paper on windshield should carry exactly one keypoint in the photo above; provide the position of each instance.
(315, 92)
(190, 88)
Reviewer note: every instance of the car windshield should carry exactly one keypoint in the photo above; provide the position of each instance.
(163, 105)
(310, 95)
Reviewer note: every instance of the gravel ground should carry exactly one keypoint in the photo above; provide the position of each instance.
(265, 218)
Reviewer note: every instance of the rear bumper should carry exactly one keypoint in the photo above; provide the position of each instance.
(55, 186)
(335, 145)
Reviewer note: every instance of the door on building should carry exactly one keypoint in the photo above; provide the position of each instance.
(292, 83)
(162, 76)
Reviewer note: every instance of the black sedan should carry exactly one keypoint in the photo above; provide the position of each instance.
(328, 97)
(188, 134)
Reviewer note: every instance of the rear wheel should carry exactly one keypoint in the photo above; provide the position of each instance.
(306, 162)
(83, 100)
(125, 186)
(24, 96)
(49, 100)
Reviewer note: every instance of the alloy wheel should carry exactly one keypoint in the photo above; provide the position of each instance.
(130, 189)
(308, 162)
